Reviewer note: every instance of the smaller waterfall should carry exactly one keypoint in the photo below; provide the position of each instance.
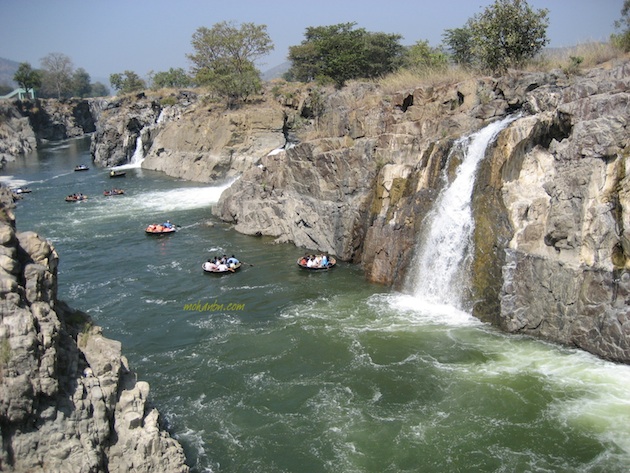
(138, 154)
(136, 158)
(442, 254)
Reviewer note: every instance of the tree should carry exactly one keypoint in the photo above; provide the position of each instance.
(423, 56)
(506, 34)
(224, 58)
(81, 86)
(459, 40)
(57, 78)
(622, 39)
(127, 82)
(27, 78)
(339, 53)
(176, 78)
(98, 89)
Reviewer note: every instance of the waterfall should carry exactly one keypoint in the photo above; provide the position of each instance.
(442, 253)
(136, 158)
(138, 154)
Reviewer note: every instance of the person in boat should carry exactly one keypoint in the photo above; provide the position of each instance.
(211, 264)
(222, 266)
(324, 261)
(232, 261)
(167, 224)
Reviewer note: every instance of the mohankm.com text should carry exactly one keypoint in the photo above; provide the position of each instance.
(215, 306)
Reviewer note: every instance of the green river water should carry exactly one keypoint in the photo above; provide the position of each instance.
(276, 369)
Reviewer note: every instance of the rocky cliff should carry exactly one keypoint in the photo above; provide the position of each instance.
(354, 172)
(551, 200)
(68, 399)
(557, 182)
(24, 125)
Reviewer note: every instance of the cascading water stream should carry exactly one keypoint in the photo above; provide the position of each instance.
(136, 158)
(442, 254)
(138, 154)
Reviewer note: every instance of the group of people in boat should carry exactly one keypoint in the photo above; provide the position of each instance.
(113, 192)
(221, 264)
(315, 261)
(76, 197)
(165, 227)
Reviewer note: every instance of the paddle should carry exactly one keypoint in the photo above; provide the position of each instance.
(243, 262)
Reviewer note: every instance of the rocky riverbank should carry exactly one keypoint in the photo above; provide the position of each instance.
(68, 399)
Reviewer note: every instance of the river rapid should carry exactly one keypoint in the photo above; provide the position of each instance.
(277, 369)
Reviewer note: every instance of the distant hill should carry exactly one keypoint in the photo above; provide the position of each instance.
(276, 72)
(8, 69)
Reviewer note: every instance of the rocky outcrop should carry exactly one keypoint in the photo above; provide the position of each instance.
(364, 174)
(558, 179)
(17, 137)
(551, 201)
(26, 124)
(55, 120)
(119, 127)
(209, 144)
(68, 398)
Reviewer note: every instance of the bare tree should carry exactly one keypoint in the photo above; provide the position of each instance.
(57, 77)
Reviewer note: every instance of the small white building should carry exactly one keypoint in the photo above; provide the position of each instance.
(19, 94)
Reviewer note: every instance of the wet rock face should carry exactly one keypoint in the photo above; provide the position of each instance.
(24, 124)
(68, 400)
(54, 120)
(586, 308)
(558, 179)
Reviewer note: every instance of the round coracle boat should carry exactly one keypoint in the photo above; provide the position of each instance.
(316, 262)
(160, 229)
(210, 267)
(76, 198)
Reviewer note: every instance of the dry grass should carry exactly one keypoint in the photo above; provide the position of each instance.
(588, 54)
(582, 56)
(407, 78)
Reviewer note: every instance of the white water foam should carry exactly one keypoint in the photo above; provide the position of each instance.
(12, 181)
(420, 311)
(601, 404)
(143, 204)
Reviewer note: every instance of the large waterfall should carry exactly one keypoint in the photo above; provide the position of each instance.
(443, 251)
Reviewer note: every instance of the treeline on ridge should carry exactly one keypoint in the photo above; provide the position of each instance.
(507, 34)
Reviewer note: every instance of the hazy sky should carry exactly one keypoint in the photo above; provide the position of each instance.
(107, 36)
